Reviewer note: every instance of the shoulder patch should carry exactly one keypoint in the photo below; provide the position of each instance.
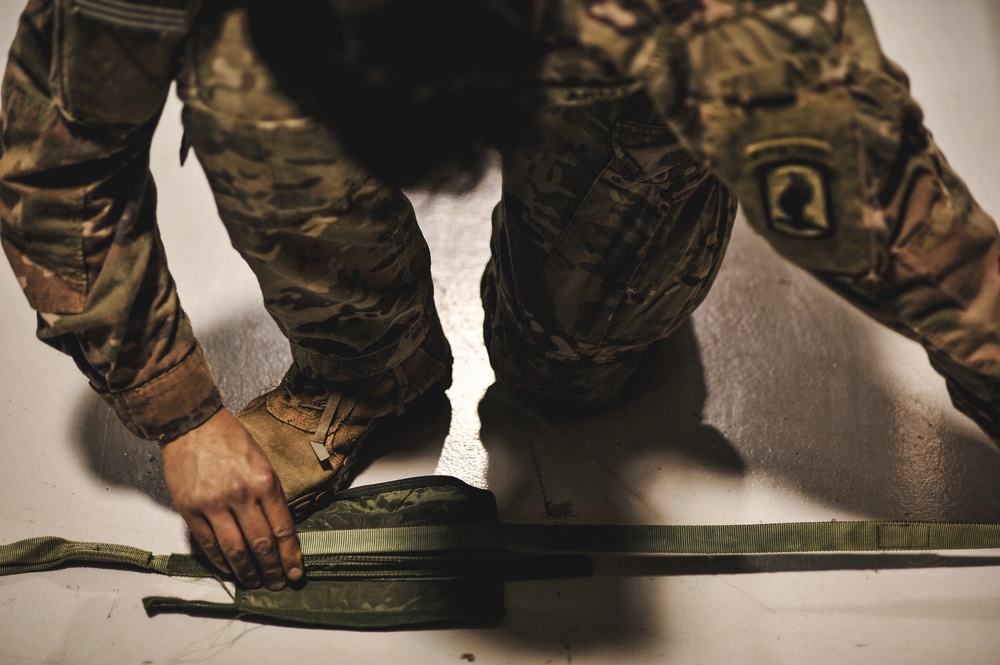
(794, 179)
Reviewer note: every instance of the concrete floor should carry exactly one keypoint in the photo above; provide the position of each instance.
(778, 403)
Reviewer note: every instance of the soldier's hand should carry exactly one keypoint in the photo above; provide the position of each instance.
(225, 489)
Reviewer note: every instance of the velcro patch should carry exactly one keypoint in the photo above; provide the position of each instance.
(794, 179)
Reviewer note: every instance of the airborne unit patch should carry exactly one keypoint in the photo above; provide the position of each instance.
(795, 187)
(798, 200)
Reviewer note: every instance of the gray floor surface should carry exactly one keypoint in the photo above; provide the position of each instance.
(778, 403)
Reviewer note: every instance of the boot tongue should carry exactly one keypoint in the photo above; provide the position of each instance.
(301, 411)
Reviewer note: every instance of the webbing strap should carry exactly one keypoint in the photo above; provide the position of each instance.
(795, 537)
(44, 553)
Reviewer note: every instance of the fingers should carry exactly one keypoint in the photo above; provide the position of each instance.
(235, 550)
(257, 540)
(263, 546)
(282, 525)
(204, 535)
(226, 490)
(246, 545)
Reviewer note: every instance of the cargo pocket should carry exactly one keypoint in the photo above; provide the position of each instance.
(594, 287)
(56, 285)
(43, 235)
(113, 60)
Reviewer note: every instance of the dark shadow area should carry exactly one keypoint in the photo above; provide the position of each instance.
(413, 437)
(674, 566)
(794, 398)
(552, 465)
(113, 455)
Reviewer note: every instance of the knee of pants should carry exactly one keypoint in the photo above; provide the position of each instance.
(609, 235)
(527, 357)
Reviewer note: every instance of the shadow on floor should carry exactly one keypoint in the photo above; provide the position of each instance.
(801, 405)
(805, 388)
(558, 466)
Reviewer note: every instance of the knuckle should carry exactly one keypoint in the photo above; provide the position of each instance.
(189, 505)
(264, 482)
(284, 532)
(201, 503)
(211, 505)
(235, 491)
(263, 546)
(234, 552)
(274, 573)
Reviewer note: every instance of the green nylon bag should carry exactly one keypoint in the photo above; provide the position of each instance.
(432, 551)
(373, 590)
(393, 590)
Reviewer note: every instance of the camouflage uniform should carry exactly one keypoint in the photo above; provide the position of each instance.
(792, 105)
(607, 236)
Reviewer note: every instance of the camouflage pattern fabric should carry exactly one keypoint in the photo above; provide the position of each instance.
(77, 212)
(341, 262)
(607, 237)
(609, 233)
(794, 105)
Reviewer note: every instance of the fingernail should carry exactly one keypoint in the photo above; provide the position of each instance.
(252, 583)
(295, 574)
(276, 586)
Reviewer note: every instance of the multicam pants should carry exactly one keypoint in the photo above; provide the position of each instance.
(607, 237)
(608, 234)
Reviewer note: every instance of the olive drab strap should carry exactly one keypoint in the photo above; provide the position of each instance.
(785, 538)
(37, 554)
(431, 550)
(44, 553)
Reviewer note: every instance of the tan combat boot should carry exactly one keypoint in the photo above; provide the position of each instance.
(312, 431)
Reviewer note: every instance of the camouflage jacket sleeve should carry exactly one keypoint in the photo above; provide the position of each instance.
(84, 87)
(793, 105)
